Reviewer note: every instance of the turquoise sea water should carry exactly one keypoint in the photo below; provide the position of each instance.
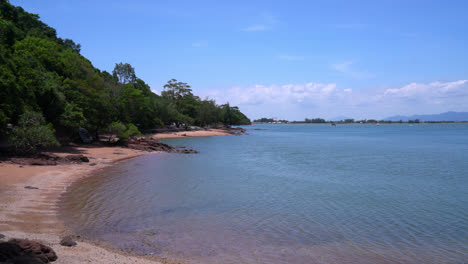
(289, 194)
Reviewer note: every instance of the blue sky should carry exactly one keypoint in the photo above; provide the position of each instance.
(285, 59)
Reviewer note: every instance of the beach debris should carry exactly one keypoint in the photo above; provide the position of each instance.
(31, 187)
(26, 251)
(67, 242)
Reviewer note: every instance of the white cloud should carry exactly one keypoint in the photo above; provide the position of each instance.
(288, 93)
(297, 101)
(431, 91)
(347, 69)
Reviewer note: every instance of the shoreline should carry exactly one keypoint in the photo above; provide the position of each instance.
(197, 133)
(34, 213)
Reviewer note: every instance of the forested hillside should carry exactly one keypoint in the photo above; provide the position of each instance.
(41, 72)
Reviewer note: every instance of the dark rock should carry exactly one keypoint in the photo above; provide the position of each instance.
(2, 236)
(68, 242)
(148, 145)
(93, 164)
(25, 260)
(76, 158)
(84, 135)
(41, 162)
(31, 187)
(26, 251)
(41, 159)
(185, 150)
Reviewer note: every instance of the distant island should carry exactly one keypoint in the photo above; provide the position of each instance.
(447, 117)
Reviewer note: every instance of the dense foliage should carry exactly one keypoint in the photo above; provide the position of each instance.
(46, 74)
(269, 120)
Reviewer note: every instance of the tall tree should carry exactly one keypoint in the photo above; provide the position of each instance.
(124, 73)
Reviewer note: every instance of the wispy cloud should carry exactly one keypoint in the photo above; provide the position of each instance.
(346, 68)
(290, 57)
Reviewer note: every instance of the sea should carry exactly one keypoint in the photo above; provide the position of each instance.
(354, 193)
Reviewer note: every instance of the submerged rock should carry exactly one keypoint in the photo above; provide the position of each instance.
(31, 187)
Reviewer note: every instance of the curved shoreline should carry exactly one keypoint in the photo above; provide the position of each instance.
(34, 213)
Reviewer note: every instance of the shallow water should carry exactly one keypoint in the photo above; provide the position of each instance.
(289, 194)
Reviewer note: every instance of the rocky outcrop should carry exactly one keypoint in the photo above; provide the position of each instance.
(76, 158)
(150, 144)
(25, 251)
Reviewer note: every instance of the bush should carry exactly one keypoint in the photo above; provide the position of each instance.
(123, 132)
(115, 129)
(32, 133)
(131, 131)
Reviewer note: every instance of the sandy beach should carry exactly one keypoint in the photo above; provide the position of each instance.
(199, 133)
(32, 213)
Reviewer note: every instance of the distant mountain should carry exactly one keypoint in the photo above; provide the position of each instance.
(448, 116)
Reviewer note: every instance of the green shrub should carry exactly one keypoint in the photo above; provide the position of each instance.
(115, 129)
(32, 133)
(131, 131)
(123, 132)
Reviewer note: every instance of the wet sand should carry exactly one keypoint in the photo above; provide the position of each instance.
(32, 213)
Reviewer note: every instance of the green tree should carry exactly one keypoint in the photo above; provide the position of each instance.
(124, 73)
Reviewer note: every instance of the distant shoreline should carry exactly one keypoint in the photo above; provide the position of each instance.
(357, 123)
